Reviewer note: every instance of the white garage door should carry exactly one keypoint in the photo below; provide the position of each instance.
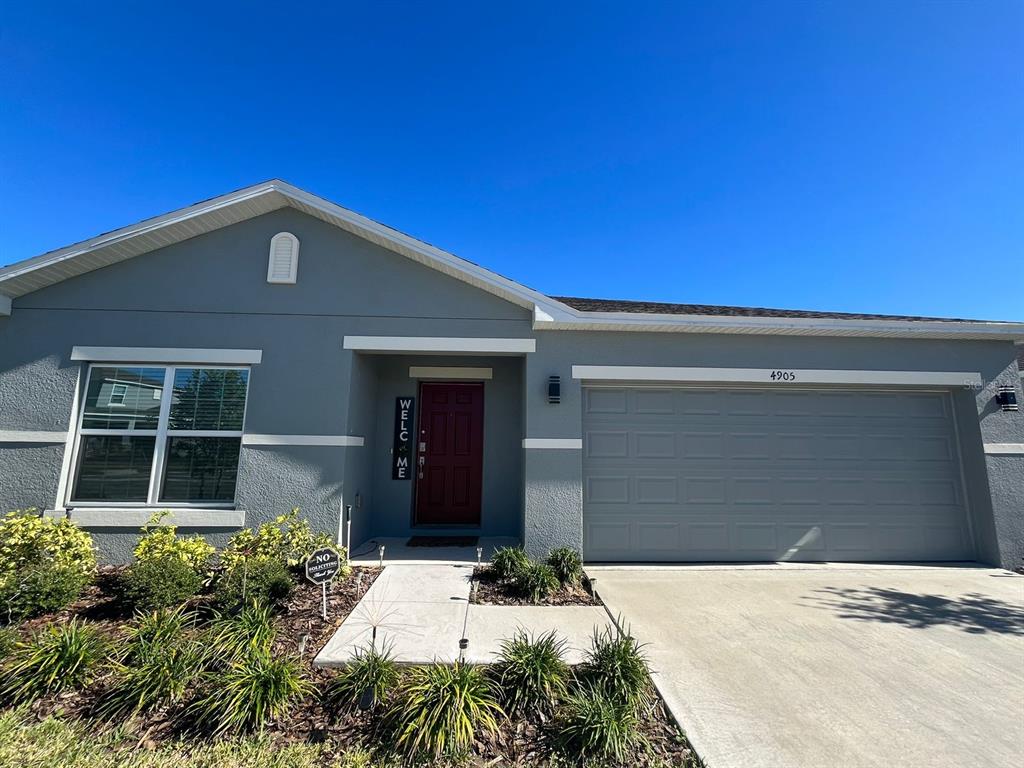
(699, 474)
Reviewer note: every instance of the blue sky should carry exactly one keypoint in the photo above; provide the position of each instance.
(861, 156)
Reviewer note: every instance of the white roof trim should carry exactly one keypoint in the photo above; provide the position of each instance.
(548, 314)
(574, 320)
(49, 268)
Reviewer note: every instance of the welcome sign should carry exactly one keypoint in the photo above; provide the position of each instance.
(401, 451)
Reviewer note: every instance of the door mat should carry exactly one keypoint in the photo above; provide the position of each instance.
(442, 541)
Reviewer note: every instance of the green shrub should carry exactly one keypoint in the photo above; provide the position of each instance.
(45, 563)
(28, 539)
(248, 692)
(441, 709)
(237, 635)
(365, 681)
(536, 582)
(159, 660)
(156, 673)
(509, 562)
(253, 581)
(590, 724)
(8, 639)
(567, 565)
(61, 657)
(164, 582)
(617, 665)
(159, 542)
(41, 588)
(287, 538)
(156, 628)
(531, 673)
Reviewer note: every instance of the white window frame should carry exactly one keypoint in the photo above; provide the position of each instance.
(122, 390)
(162, 433)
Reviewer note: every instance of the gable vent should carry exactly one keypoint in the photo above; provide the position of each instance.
(284, 258)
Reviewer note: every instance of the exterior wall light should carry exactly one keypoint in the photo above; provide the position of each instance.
(554, 389)
(1006, 398)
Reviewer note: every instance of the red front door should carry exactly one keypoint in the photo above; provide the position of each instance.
(450, 454)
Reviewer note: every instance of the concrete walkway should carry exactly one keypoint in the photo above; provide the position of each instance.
(422, 611)
(398, 552)
(810, 666)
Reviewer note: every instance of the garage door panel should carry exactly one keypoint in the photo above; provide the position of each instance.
(756, 537)
(655, 445)
(658, 536)
(606, 490)
(803, 539)
(598, 401)
(703, 474)
(704, 490)
(657, 490)
(660, 402)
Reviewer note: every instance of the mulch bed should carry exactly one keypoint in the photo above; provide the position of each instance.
(487, 590)
(302, 630)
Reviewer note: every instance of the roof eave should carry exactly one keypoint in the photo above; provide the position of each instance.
(575, 320)
(177, 226)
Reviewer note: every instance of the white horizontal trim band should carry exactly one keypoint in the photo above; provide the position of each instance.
(328, 440)
(1004, 448)
(167, 355)
(566, 443)
(427, 372)
(136, 517)
(31, 436)
(783, 376)
(439, 344)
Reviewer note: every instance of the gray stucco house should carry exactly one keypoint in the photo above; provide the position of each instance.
(269, 349)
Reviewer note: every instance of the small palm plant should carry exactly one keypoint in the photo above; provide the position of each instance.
(237, 635)
(250, 692)
(567, 565)
(61, 657)
(162, 674)
(509, 562)
(156, 628)
(441, 710)
(617, 665)
(531, 673)
(159, 663)
(592, 724)
(366, 681)
(536, 582)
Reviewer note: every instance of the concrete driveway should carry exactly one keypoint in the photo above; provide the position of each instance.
(813, 666)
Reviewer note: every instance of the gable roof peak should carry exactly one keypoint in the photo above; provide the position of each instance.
(246, 203)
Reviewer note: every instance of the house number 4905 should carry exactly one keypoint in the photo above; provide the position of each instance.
(783, 376)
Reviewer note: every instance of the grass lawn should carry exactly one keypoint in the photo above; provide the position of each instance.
(26, 742)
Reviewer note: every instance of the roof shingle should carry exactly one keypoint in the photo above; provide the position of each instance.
(665, 308)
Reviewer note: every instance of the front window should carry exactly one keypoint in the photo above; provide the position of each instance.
(155, 434)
